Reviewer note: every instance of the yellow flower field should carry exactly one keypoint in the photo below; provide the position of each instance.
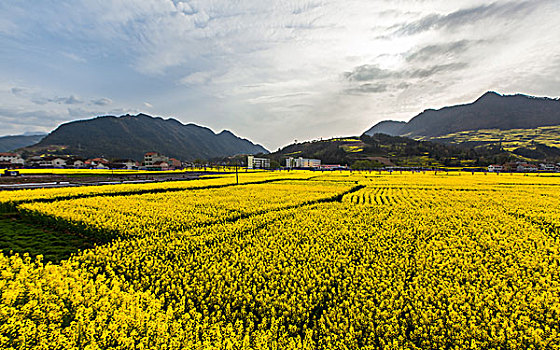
(10, 198)
(361, 260)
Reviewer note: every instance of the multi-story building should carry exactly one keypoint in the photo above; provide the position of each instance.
(302, 163)
(257, 163)
(151, 158)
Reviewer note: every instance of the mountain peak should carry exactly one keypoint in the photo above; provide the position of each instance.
(489, 96)
(492, 94)
(226, 132)
(141, 115)
(130, 137)
(388, 127)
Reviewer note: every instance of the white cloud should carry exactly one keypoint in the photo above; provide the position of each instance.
(74, 57)
(80, 113)
(30, 108)
(274, 70)
(196, 78)
(102, 101)
(185, 8)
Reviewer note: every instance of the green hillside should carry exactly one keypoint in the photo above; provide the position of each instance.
(383, 150)
(509, 139)
(538, 144)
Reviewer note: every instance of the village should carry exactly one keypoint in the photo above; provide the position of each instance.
(155, 161)
(523, 167)
(152, 161)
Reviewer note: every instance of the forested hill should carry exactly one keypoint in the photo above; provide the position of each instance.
(131, 137)
(384, 150)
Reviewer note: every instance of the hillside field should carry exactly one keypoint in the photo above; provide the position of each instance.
(509, 139)
(286, 260)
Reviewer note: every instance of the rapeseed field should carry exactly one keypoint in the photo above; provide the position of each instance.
(293, 260)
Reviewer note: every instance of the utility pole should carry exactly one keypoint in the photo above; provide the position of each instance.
(236, 175)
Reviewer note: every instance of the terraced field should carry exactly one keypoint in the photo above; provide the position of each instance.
(509, 139)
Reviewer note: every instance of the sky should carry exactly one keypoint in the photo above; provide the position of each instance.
(270, 71)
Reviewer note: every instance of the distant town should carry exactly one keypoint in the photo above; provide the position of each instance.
(154, 161)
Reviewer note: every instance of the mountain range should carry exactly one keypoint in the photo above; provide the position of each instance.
(490, 111)
(131, 136)
(493, 129)
(13, 142)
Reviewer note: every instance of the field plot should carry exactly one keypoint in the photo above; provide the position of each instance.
(320, 261)
(509, 139)
(153, 214)
(8, 199)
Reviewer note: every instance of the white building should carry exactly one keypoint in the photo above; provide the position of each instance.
(78, 163)
(495, 168)
(257, 163)
(128, 164)
(59, 162)
(97, 163)
(101, 166)
(52, 162)
(525, 167)
(547, 167)
(302, 163)
(12, 158)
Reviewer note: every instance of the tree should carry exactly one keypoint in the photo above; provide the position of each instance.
(366, 164)
(274, 164)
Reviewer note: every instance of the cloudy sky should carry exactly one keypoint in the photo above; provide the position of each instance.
(271, 71)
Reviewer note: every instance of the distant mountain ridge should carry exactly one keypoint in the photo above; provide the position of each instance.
(388, 127)
(490, 111)
(13, 142)
(385, 150)
(131, 137)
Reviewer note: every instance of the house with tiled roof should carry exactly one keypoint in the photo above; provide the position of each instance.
(97, 163)
(126, 164)
(11, 158)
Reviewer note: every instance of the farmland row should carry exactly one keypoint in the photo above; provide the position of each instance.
(158, 213)
(10, 199)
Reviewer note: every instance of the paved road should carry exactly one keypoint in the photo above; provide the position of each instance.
(55, 184)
